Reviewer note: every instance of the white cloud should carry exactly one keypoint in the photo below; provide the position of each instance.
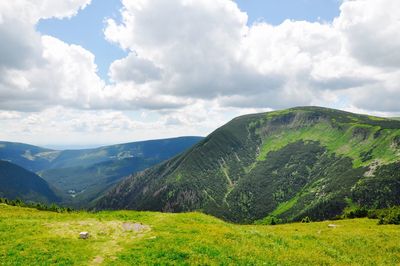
(372, 31)
(7, 115)
(65, 76)
(21, 45)
(192, 41)
(206, 51)
(134, 68)
(39, 71)
(30, 11)
(70, 126)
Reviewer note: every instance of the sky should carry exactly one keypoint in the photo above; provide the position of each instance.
(80, 73)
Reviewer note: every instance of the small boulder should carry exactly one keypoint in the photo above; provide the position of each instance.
(83, 235)
(332, 225)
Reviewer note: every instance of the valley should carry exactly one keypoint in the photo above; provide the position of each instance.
(80, 176)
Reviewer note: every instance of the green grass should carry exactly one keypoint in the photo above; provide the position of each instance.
(284, 206)
(32, 237)
(339, 142)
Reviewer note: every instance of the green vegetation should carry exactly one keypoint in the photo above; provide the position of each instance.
(38, 206)
(32, 237)
(285, 206)
(391, 216)
(282, 166)
(362, 149)
(386, 216)
(17, 182)
(81, 185)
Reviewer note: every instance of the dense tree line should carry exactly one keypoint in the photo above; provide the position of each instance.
(39, 206)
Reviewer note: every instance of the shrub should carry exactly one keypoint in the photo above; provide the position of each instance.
(270, 220)
(355, 212)
(390, 216)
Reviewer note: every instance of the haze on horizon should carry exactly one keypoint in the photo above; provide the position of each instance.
(85, 72)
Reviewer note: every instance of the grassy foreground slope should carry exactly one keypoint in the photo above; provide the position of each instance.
(32, 237)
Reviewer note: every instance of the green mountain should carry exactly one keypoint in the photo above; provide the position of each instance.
(16, 182)
(301, 162)
(82, 175)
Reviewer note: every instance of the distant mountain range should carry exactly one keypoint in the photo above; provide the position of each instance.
(82, 175)
(290, 164)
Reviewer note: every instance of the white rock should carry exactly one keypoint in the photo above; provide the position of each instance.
(332, 225)
(84, 235)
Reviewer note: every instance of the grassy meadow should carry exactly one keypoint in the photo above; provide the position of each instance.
(32, 237)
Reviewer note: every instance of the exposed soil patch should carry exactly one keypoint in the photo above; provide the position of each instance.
(136, 227)
(372, 168)
(107, 237)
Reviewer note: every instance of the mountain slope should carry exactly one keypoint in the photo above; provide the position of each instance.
(306, 161)
(30, 157)
(16, 182)
(160, 150)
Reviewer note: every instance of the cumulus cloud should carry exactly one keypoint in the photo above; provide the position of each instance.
(192, 41)
(31, 11)
(15, 49)
(39, 71)
(21, 45)
(65, 76)
(371, 30)
(134, 68)
(206, 50)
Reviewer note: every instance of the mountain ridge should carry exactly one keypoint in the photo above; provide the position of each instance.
(293, 163)
(20, 152)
